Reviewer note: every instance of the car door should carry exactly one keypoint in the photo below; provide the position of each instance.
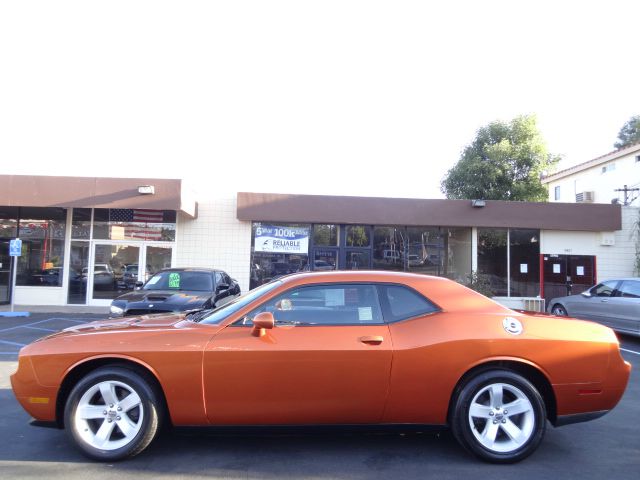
(326, 361)
(623, 309)
(595, 305)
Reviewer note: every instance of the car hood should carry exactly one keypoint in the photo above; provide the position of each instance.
(162, 300)
(162, 321)
(182, 296)
(151, 323)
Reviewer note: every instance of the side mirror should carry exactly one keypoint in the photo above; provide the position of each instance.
(261, 323)
(139, 285)
(222, 286)
(586, 293)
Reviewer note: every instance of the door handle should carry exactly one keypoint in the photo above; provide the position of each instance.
(604, 300)
(372, 340)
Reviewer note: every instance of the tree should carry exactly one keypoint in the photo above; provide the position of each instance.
(504, 162)
(629, 133)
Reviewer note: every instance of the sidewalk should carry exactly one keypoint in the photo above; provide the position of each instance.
(55, 308)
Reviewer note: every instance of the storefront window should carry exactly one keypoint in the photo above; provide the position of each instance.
(81, 224)
(522, 247)
(427, 250)
(134, 224)
(458, 264)
(444, 252)
(389, 248)
(8, 222)
(325, 235)
(357, 236)
(277, 250)
(492, 260)
(42, 231)
(524, 254)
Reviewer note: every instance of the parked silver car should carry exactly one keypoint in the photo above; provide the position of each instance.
(615, 303)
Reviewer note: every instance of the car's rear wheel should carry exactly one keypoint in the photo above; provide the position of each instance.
(559, 310)
(499, 416)
(112, 413)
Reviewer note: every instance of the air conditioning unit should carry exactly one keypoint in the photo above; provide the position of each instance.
(533, 304)
(585, 197)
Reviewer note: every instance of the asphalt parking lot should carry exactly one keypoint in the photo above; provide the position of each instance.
(608, 447)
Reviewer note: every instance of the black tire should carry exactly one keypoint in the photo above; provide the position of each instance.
(490, 437)
(559, 310)
(142, 420)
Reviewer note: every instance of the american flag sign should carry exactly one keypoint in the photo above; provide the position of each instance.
(140, 223)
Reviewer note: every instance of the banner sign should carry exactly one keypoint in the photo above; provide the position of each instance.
(276, 239)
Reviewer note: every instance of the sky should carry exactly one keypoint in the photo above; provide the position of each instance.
(328, 97)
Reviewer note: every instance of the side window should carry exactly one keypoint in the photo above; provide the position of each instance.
(405, 303)
(604, 289)
(340, 304)
(219, 278)
(630, 289)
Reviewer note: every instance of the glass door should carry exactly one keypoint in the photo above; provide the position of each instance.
(324, 259)
(359, 259)
(5, 271)
(156, 258)
(78, 273)
(113, 267)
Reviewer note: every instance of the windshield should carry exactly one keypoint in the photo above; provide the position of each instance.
(172, 280)
(220, 313)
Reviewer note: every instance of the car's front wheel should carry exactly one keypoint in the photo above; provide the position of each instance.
(112, 413)
(559, 310)
(499, 416)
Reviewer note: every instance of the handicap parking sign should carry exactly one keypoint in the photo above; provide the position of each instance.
(15, 247)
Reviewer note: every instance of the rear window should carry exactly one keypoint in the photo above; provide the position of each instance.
(402, 303)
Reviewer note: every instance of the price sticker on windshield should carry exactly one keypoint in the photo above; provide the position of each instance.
(174, 280)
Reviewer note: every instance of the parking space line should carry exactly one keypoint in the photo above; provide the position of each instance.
(8, 353)
(13, 343)
(629, 351)
(39, 328)
(70, 320)
(42, 321)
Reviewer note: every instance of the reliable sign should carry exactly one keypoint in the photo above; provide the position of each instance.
(274, 239)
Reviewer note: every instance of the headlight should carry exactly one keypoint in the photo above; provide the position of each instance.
(116, 310)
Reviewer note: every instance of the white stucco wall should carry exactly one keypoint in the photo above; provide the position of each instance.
(216, 239)
(612, 261)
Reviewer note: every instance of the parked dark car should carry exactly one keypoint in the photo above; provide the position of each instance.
(614, 303)
(178, 290)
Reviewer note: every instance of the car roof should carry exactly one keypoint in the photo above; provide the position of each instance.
(191, 269)
(620, 279)
(360, 276)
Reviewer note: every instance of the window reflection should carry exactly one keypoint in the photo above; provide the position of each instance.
(524, 252)
(492, 260)
(325, 235)
(389, 248)
(357, 236)
(42, 231)
(134, 224)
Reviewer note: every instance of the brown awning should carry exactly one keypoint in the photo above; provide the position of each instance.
(274, 207)
(96, 192)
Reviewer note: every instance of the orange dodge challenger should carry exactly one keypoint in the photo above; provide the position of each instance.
(327, 348)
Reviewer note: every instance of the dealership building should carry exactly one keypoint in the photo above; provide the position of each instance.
(83, 236)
